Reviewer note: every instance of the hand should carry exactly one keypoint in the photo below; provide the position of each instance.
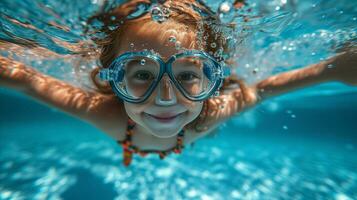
(343, 67)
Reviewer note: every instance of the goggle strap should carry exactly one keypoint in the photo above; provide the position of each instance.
(105, 74)
(226, 71)
(108, 75)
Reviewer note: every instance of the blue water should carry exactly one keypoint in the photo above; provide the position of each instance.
(301, 145)
(46, 154)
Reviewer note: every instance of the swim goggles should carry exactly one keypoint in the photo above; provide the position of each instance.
(134, 76)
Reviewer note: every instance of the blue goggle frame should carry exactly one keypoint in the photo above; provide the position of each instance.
(114, 73)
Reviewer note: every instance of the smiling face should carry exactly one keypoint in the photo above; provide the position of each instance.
(166, 111)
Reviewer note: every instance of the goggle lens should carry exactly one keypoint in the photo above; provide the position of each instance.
(195, 75)
(136, 76)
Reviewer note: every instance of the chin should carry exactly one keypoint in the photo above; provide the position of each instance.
(164, 129)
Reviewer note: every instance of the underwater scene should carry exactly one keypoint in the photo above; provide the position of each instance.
(300, 145)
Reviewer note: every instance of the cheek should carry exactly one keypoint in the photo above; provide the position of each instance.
(193, 107)
(133, 109)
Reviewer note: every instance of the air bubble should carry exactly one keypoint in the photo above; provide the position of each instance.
(172, 39)
(178, 45)
(142, 62)
(131, 45)
(112, 28)
(213, 45)
(224, 7)
(226, 12)
(255, 70)
(159, 14)
(152, 51)
(216, 94)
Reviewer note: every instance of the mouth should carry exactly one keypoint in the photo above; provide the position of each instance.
(164, 118)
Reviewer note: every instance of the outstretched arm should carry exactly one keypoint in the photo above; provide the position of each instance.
(49, 90)
(98, 109)
(342, 67)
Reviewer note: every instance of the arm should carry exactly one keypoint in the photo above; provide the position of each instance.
(342, 67)
(104, 111)
(49, 90)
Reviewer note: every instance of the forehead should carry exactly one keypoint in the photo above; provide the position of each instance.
(165, 39)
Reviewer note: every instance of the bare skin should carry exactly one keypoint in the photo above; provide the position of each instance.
(108, 114)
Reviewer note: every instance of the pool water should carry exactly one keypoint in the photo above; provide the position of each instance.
(301, 145)
(281, 149)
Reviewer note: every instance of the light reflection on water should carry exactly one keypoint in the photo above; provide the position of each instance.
(221, 171)
(61, 157)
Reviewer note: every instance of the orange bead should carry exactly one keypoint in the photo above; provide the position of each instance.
(131, 122)
(127, 157)
(162, 155)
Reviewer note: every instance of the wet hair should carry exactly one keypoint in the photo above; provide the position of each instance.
(190, 22)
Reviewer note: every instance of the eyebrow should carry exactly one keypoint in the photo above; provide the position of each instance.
(197, 62)
(137, 65)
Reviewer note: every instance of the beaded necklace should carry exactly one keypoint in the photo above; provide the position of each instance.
(129, 148)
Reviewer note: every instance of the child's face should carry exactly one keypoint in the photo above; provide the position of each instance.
(160, 120)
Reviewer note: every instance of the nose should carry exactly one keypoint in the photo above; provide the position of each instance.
(165, 95)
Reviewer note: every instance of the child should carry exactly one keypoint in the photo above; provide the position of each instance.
(165, 76)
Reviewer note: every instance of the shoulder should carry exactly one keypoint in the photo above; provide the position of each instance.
(109, 115)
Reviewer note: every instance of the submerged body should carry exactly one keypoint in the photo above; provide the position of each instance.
(157, 124)
(108, 114)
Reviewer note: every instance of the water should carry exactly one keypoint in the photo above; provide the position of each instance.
(301, 145)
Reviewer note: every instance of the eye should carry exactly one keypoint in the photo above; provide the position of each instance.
(187, 76)
(143, 75)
